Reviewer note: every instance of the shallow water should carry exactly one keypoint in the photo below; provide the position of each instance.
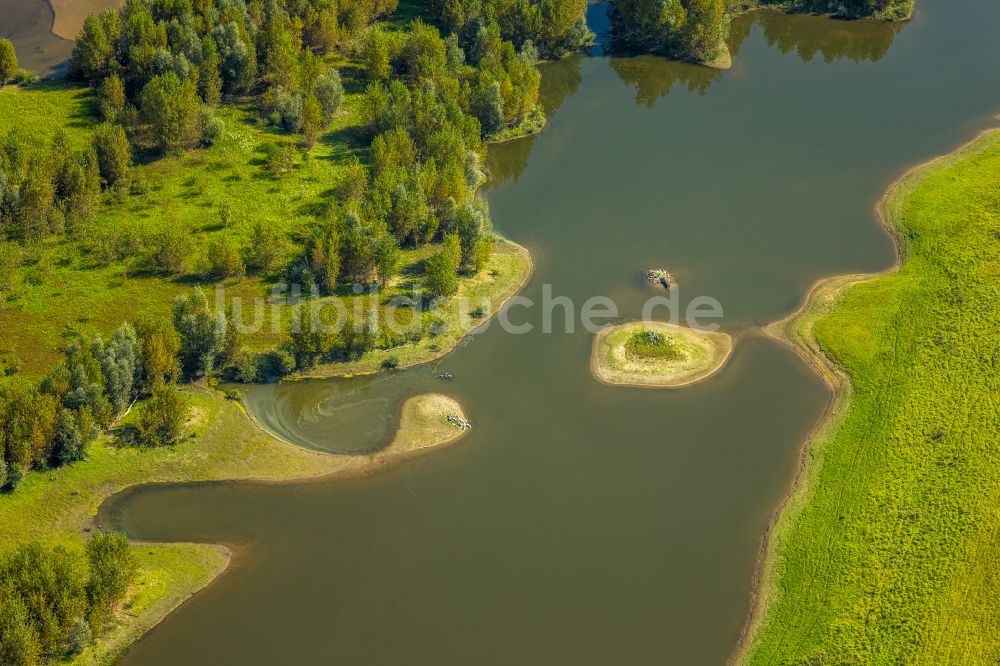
(579, 523)
(28, 25)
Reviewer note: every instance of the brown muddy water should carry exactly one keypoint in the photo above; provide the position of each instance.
(580, 523)
(28, 25)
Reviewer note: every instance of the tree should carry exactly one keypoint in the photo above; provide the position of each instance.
(8, 61)
(51, 584)
(121, 365)
(18, 637)
(209, 76)
(330, 94)
(112, 98)
(68, 444)
(312, 121)
(94, 50)
(160, 346)
(386, 259)
(114, 154)
(161, 422)
(171, 110)
(441, 271)
(324, 256)
(309, 338)
(202, 332)
(375, 56)
(112, 571)
(79, 637)
(224, 258)
(261, 253)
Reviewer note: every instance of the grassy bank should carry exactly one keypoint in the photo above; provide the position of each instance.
(58, 507)
(222, 443)
(885, 553)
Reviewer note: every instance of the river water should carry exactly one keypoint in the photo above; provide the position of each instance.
(28, 25)
(579, 523)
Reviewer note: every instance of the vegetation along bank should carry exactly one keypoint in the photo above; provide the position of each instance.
(885, 551)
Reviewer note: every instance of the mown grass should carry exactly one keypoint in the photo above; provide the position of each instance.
(887, 551)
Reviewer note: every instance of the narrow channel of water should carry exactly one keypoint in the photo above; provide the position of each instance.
(579, 523)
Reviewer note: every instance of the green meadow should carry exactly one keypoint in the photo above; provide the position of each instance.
(887, 552)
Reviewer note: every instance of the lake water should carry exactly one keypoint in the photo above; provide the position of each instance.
(580, 523)
(28, 25)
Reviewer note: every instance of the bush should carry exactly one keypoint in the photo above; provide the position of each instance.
(244, 368)
(224, 259)
(161, 422)
(279, 157)
(24, 77)
(277, 363)
(15, 474)
(112, 571)
(212, 128)
(114, 154)
(8, 61)
(79, 637)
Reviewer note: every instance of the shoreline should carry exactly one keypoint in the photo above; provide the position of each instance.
(68, 15)
(796, 332)
(372, 365)
(415, 435)
(722, 351)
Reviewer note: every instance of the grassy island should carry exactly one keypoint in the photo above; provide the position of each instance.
(886, 550)
(657, 354)
(427, 421)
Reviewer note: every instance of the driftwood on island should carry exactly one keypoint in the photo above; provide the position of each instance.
(459, 422)
(660, 275)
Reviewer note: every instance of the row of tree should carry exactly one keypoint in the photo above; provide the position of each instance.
(695, 29)
(554, 27)
(53, 600)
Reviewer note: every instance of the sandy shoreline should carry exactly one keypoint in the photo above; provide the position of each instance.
(70, 14)
(796, 332)
(423, 427)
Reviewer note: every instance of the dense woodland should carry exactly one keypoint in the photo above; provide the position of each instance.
(159, 69)
(54, 599)
(695, 29)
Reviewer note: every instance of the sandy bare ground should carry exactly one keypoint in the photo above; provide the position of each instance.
(70, 14)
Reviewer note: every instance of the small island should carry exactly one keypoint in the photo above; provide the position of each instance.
(427, 421)
(657, 354)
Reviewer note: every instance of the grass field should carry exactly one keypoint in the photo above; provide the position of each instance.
(888, 550)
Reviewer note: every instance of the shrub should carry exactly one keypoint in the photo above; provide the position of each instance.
(114, 154)
(161, 422)
(79, 637)
(212, 127)
(224, 258)
(8, 61)
(15, 474)
(279, 157)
